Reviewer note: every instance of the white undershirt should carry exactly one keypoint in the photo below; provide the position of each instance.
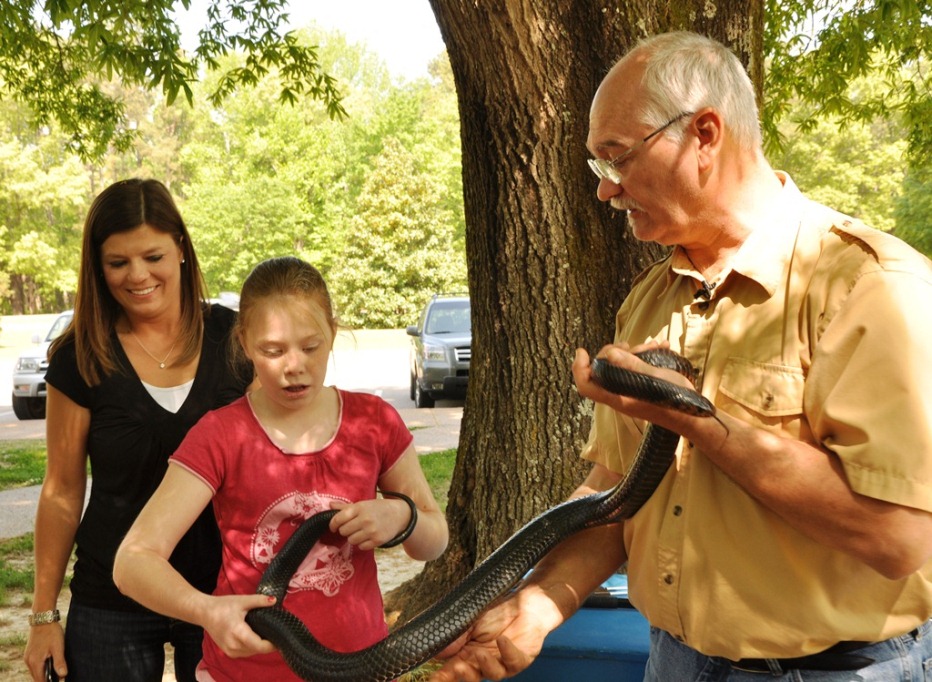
(172, 397)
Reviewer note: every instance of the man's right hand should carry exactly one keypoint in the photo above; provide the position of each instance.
(503, 641)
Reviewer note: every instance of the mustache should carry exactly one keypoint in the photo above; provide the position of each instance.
(623, 204)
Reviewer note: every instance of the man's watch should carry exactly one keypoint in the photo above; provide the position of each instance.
(44, 617)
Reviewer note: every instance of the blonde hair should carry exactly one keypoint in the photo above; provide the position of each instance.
(277, 278)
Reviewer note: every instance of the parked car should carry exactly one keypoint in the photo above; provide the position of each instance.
(29, 372)
(441, 347)
(228, 299)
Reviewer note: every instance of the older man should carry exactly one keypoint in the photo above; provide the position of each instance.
(794, 533)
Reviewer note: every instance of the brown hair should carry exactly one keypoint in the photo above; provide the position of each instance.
(279, 277)
(121, 207)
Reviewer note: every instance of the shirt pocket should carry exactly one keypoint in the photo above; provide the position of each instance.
(765, 394)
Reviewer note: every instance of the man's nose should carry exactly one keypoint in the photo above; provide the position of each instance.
(607, 189)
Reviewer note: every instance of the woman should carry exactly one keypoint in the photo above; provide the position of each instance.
(142, 361)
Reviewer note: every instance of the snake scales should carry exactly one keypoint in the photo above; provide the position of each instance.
(428, 633)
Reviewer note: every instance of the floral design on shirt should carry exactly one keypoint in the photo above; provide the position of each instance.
(326, 566)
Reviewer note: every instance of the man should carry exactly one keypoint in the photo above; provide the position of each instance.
(794, 533)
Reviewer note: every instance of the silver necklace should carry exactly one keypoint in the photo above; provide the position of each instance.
(163, 360)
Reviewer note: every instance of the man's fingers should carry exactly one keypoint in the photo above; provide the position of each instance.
(513, 658)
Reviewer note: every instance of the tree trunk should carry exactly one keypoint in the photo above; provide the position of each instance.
(548, 263)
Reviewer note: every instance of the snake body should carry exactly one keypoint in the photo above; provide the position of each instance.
(428, 633)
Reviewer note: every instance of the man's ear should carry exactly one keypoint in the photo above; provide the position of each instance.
(708, 128)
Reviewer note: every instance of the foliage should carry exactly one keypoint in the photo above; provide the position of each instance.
(252, 178)
(816, 48)
(398, 247)
(914, 210)
(56, 55)
(857, 169)
(844, 134)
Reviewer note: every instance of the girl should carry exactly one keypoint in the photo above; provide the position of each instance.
(285, 452)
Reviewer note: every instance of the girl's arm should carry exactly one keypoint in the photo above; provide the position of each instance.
(142, 571)
(371, 523)
(61, 502)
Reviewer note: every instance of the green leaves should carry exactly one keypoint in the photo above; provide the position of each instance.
(816, 48)
(56, 55)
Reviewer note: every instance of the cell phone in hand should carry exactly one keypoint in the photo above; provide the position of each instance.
(50, 674)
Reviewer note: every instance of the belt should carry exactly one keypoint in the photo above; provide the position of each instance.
(837, 657)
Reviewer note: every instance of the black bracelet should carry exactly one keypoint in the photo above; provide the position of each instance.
(406, 533)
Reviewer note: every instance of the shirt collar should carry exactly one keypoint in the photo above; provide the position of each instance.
(764, 255)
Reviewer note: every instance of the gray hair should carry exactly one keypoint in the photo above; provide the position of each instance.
(685, 72)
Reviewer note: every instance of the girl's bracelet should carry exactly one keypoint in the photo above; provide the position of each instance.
(406, 533)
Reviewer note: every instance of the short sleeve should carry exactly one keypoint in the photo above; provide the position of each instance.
(867, 395)
(202, 451)
(63, 375)
(396, 438)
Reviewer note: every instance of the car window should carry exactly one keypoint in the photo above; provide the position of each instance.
(58, 327)
(448, 318)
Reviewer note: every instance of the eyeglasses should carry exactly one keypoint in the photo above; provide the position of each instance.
(608, 168)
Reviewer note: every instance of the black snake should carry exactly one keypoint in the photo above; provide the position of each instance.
(428, 633)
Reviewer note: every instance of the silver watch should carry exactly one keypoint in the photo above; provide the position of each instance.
(44, 617)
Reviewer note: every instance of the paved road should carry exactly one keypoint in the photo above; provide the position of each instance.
(374, 362)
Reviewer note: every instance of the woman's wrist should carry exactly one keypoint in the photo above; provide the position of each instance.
(44, 617)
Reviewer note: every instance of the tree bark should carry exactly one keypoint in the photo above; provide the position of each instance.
(548, 263)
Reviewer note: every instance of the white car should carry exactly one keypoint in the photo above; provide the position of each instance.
(29, 372)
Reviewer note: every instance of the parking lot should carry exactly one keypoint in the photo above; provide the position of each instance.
(374, 361)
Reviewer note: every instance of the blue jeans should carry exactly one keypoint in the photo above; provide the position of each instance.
(103, 646)
(907, 658)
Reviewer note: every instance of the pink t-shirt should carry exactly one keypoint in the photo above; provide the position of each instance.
(262, 495)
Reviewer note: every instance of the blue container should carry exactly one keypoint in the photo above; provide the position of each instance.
(607, 639)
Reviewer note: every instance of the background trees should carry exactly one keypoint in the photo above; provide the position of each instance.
(57, 56)
(255, 178)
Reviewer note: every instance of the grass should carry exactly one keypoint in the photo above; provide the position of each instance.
(438, 469)
(22, 463)
(16, 570)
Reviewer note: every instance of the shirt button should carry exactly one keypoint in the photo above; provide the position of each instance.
(668, 579)
(677, 510)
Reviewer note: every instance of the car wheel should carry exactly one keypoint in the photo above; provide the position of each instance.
(421, 399)
(413, 390)
(28, 408)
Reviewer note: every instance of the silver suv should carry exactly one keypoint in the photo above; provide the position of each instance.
(29, 372)
(441, 347)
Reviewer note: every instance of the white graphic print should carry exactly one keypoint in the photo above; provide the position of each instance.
(326, 567)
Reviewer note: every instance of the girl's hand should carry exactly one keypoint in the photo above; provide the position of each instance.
(226, 623)
(368, 524)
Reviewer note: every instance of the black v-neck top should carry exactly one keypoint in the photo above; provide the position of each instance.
(129, 442)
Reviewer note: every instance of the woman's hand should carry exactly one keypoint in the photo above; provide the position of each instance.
(45, 641)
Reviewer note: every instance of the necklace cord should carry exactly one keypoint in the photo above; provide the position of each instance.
(149, 353)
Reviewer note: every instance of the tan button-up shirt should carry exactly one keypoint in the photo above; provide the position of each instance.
(821, 330)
